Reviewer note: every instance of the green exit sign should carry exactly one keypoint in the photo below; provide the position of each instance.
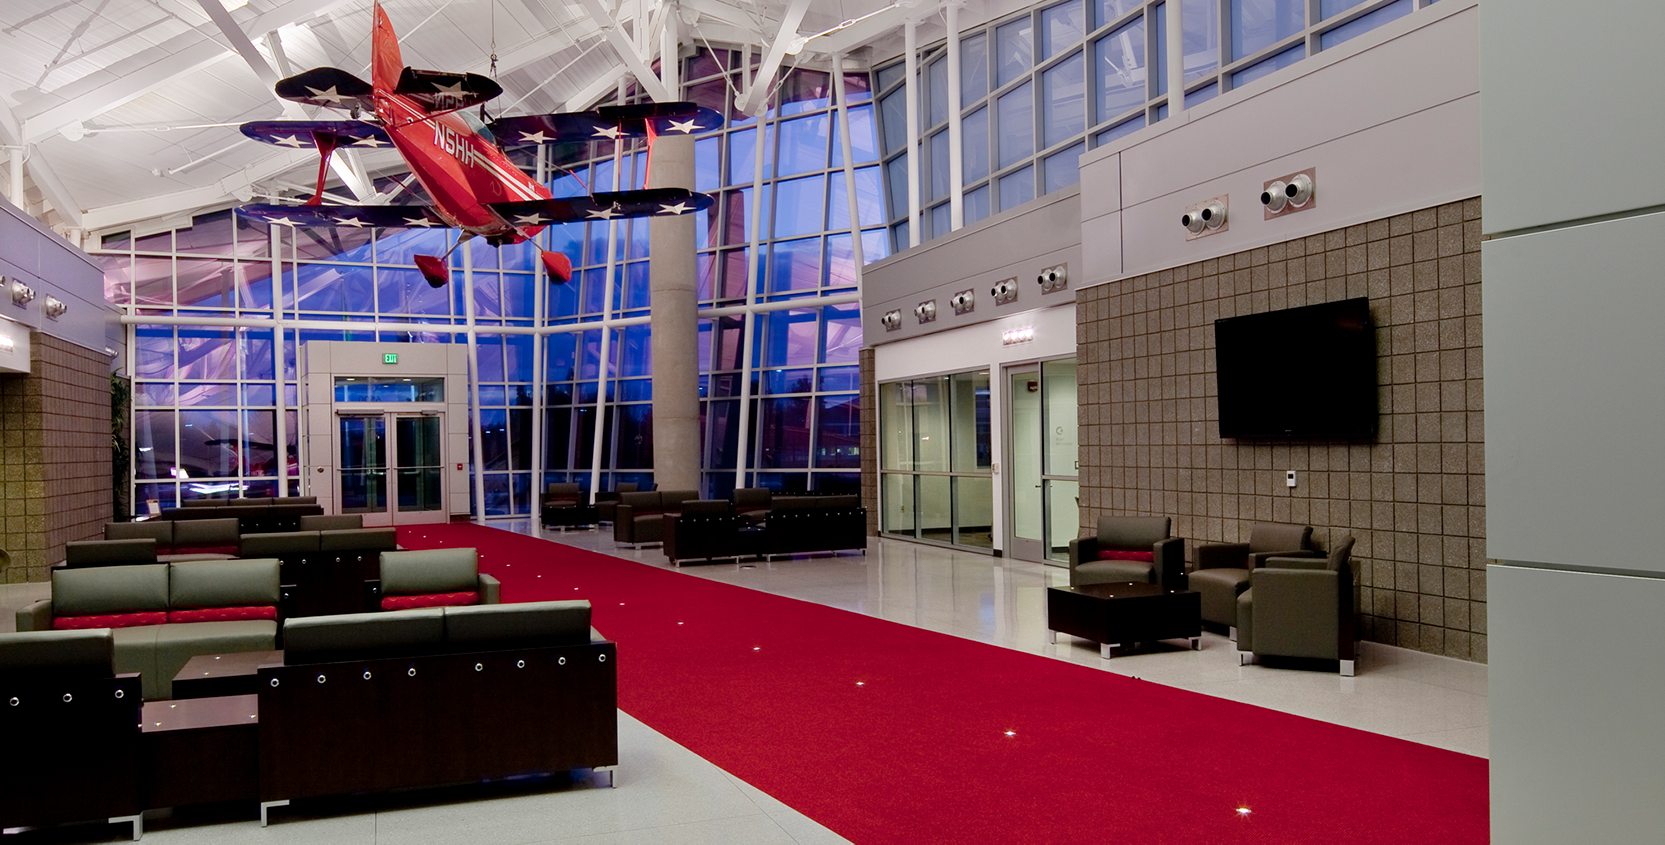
(390, 357)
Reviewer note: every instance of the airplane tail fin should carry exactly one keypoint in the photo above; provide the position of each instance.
(385, 62)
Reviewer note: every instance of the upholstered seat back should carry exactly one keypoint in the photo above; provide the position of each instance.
(221, 531)
(1132, 532)
(89, 653)
(429, 571)
(706, 507)
(223, 583)
(562, 492)
(359, 539)
(331, 521)
(138, 551)
(112, 589)
(522, 625)
(640, 501)
(1277, 537)
(160, 530)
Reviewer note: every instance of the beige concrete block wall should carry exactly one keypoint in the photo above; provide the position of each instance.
(869, 440)
(54, 455)
(1414, 497)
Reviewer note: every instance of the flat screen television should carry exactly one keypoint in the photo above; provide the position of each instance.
(1307, 372)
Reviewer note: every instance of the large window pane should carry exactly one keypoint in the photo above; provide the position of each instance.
(795, 265)
(862, 146)
(972, 450)
(1063, 104)
(1364, 23)
(974, 512)
(974, 160)
(783, 433)
(1014, 49)
(1063, 169)
(1062, 27)
(897, 492)
(894, 116)
(803, 145)
(1015, 112)
(838, 432)
(1017, 188)
(930, 422)
(1119, 63)
(936, 509)
(869, 200)
(895, 426)
(936, 92)
(1201, 33)
(1266, 66)
(936, 181)
(974, 69)
(800, 206)
(1258, 24)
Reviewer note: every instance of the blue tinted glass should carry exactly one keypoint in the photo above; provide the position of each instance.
(893, 110)
(208, 394)
(600, 234)
(517, 357)
(795, 265)
(936, 92)
(1017, 188)
(1330, 8)
(1063, 169)
(483, 254)
(320, 287)
(1063, 101)
(490, 350)
(634, 347)
(1364, 23)
(936, 181)
(255, 352)
(874, 245)
(789, 338)
(741, 156)
(800, 206)
(974, 137)
(636, 390)
(896, 180)
(976, 205)
(891, 74)
(1159, 23)
(488, 294)
(1258, 24)
(803, 145)
(940, 220)
(788, 381)
(841, 262)
(1200, 31)
(1015, 47)
(869, 200)
(707, 164)
(260, 395)
(864, 144)
(840, 378)
(1062, 27)
(899, 237)
(1015, 113)
(1201, 95)
(838, 432)
(517, 257)
(205, 282)
(636, 245)
(1108, 11)
(561, 298)
(974, 69)
(518, 290)
(783, 433)
(1265, 66)
(254, 284)
(1119, 130)
(406, 292)
(494, 440)
(637, 286)
(1119, 60)
(804, 91)
(843, 334)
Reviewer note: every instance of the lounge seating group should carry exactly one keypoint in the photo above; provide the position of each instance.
(758, 524)
(254, 515)
(164, 614)
(1129, 548)
(638, 518)
(327, 568)
(1301, 607)
(362, 703)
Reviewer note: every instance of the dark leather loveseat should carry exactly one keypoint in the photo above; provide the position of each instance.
(638, 519)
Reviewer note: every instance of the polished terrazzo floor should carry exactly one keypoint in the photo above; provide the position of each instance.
(666, 794)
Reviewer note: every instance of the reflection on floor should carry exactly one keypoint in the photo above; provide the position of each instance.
(667, 794)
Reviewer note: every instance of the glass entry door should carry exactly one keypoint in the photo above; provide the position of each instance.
(391, 467)
(1043, 466)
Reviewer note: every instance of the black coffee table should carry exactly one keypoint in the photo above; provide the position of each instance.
(1124, 613)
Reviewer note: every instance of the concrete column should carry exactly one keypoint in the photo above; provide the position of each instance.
(675, 321)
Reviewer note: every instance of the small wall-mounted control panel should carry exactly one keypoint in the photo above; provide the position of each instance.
(1289, 478)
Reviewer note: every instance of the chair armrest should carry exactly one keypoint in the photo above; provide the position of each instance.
(1083, 549)
(1258, 559)
(36, 616)
(1301, 613)
(1170, 562)
(1313, 562)
(1222, 555)
(491, 590)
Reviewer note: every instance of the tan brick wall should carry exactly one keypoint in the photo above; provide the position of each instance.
(1414, 497)
(54, 455)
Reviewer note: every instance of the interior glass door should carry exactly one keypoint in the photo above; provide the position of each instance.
(1026, 535)
(417, 463)
(1043, 475)
(363, 464)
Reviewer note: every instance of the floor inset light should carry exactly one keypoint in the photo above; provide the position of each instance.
(1242, 811)
(1011, 733)
(861, 683)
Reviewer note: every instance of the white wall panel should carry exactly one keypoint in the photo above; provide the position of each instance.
(1573, 122)
(1575, 394)
(1575, 680)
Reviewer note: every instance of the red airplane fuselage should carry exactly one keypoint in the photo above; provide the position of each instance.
(459, 169)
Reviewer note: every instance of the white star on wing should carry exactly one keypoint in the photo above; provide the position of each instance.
(422, 222)
(603, 214)
(282, 221)
(609, 132)
(327, 94)
(685, 126)
(679, 208)
(369, 142)
(453, 90)
(530, 219)
(291, 141)
(354, 222)
(535, 137)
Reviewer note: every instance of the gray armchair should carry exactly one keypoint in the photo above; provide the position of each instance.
(1223, 569)
(1301, 607)
(1129, 548)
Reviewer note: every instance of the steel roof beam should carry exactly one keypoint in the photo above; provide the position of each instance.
(758, 95)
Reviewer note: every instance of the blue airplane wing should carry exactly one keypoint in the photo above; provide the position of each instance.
(353, 216)
(653, 202)
(303, 134)
(606, 123)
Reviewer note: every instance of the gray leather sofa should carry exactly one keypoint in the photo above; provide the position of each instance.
(191, 539)
(433, 578)
(1129, 548)
(1301, 607)
(164, 614)
(1222, 572)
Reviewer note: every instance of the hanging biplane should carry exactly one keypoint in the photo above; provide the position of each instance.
(455, 155)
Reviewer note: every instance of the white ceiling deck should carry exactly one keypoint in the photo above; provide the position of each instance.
(127, 109)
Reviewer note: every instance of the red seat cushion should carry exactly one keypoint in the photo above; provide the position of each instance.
(110, 620)
(204, 549)
(223, 614)
(430, 600)
(1121, 554)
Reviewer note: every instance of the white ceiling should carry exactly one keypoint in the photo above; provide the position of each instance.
(142, 84)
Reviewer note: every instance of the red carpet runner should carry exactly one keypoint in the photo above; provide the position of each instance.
(883, 732)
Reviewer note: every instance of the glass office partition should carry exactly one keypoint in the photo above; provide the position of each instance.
(936, 459)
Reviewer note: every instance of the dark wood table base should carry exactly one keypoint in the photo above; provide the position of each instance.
(1125, 613)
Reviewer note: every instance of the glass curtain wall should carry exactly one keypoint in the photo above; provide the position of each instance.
(207, 397)
(935, 459)
(1039, 88)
